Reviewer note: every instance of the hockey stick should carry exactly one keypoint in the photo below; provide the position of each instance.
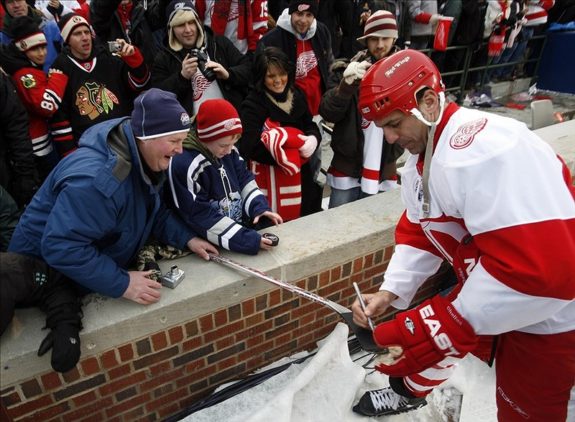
(364, 336)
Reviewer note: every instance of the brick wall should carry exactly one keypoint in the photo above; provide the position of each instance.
(157, 376)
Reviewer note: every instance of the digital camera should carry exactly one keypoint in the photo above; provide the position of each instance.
(171, 279)
(114, 46)
(209, 74)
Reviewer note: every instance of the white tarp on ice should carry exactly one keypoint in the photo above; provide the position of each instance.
(325, 387)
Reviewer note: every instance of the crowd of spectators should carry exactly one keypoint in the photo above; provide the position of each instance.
(282, 66)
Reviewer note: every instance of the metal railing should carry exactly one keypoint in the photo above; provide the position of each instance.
(485, 69)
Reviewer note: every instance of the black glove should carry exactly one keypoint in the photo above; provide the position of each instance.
(64, 340)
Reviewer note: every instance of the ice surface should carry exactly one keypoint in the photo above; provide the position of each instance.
(325, 387)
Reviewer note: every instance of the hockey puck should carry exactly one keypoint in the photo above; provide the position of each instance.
(270, 236)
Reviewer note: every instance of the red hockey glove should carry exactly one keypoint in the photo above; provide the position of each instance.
(419, 338)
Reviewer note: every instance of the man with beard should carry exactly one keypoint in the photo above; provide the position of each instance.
(363, 163)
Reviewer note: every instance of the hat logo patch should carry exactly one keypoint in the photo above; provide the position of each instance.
(303, 7)
(185, 119)
(229, 124)
(179, 6)
(76, 19)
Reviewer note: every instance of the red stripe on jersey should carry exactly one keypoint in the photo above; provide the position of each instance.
(408, 233)
(536, 259)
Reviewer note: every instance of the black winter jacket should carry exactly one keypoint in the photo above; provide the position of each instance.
(166, 72)
(339, 105)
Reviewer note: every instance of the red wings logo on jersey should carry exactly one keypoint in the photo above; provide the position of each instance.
(199, 85)
(305, 62)
(466, 133)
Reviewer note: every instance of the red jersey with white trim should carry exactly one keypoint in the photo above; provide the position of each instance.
(494, 179)
(42, 95)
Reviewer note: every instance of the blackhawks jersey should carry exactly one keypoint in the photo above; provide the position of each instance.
(103, 87)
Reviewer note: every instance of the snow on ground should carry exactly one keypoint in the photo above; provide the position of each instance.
(326, 386)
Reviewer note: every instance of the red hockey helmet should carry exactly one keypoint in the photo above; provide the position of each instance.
(393, 83)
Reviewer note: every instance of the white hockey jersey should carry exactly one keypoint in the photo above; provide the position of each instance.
(492, 178)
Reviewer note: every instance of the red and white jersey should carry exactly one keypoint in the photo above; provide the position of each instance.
(492, 178)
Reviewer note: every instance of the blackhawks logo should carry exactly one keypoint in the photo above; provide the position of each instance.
(94, 99)
(28, 81)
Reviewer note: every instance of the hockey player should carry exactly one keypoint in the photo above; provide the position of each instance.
(489, 196)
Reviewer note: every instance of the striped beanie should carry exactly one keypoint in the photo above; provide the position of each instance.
(26, 33)
(71, 21)
(216, 119)
(381, 24)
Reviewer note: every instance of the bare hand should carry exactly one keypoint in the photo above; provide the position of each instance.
(376, 305)
(125, 48)
(142, 289)
(220, 71)
(54, 3)
(274, 217)
(189, 66)
(266, 244)
(202, 247)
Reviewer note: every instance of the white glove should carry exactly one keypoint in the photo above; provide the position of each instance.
(355, 71)
(309, 146)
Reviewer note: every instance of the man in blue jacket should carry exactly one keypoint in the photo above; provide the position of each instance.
(96, 210)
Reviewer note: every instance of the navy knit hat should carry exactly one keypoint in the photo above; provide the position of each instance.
(303, 6)
(158, 113)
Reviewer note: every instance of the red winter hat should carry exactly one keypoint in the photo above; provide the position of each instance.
(217, 118)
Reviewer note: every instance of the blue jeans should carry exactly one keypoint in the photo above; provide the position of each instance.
(343, 196)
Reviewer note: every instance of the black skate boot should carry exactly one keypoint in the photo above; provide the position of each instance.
(386, 402)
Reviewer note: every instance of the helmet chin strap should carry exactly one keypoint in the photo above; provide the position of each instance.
(425, 207)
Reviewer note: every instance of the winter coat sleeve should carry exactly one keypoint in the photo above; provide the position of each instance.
(254, 201)
(16, 142)
(166, 77)
(43, 97)
(336, 103)
(60, 126)
(171, 229)
(70, 245)
(237, 64)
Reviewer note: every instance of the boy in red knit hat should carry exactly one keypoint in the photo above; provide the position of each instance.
(211, 186)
